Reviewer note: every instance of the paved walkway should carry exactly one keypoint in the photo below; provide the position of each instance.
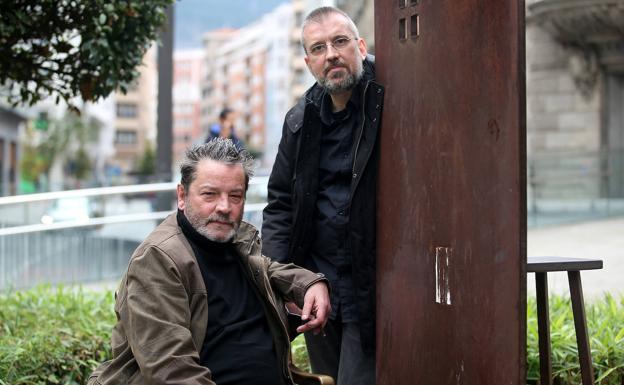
(601, 239)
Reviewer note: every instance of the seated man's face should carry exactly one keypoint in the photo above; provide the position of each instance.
(214, 201)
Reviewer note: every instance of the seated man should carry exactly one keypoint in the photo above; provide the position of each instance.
(199, 304)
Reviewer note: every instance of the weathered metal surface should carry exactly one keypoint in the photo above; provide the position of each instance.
(451, 270)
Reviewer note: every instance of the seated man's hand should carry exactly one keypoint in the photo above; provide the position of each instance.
(316, 308)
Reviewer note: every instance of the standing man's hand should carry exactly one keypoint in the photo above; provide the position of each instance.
(316, 308)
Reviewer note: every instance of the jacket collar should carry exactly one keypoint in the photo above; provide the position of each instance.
(244, 239)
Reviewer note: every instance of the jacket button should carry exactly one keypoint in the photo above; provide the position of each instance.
(374, 119)
(377, 106)
(379, 90)
(354, 175)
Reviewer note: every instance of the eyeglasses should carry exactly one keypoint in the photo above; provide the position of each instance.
(320, 49)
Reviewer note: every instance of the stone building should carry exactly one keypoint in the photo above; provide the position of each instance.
(575, 104)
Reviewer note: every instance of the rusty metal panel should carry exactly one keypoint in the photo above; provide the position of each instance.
(451, 270)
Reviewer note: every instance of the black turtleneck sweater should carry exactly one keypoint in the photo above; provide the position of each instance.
(238, 347)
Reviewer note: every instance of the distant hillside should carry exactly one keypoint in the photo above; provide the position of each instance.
(194, 17)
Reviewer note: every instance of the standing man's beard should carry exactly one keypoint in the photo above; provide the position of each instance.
(346, 84)
(200, 224)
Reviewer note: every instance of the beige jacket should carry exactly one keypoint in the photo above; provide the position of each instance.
(162, 308)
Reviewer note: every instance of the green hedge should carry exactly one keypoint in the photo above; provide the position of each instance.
(53, 335)
(605, 323)
(58, 335)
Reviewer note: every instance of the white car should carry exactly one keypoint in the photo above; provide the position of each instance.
(74, 209)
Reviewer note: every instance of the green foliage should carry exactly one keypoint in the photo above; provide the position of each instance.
(74, 48)
(58, 336)
(81, 164)
(41, 149)
(53, 335)
(147, 163)
(300, 353)
(605, 322)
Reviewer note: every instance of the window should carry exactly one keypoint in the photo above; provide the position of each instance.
(126, 110)
(125, 137)
(183, 123)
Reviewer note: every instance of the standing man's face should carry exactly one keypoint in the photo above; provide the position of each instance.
(336, 70)
(214, 201)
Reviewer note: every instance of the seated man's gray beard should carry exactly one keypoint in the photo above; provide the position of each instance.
(228, 238)
(199, 224)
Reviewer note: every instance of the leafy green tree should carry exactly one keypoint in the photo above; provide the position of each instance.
(147, 163)
(74, 48)
(81, 164)
(70, 133)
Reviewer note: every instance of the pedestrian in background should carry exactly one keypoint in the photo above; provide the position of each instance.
(225, 128)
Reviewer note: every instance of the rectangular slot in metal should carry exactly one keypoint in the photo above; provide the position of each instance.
(442, 273)
(402, 29)
(414, 27)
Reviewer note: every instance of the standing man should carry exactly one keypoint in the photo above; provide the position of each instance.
(225, 128)
(199, 304)
(321, 209)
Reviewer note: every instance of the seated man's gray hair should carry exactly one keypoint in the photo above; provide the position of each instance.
(218, 149)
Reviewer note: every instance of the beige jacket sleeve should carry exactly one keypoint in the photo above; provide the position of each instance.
(157, 320)
(292, 281)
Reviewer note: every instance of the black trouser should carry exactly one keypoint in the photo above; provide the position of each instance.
(338, 353)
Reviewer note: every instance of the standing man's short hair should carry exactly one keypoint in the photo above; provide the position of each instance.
(319, 14)
(220, 150)
(224, 113)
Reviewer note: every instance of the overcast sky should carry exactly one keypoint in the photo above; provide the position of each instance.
(193, 17)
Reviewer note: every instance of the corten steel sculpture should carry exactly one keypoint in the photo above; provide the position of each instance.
(451, 275)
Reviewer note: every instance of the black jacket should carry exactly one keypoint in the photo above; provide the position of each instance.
(288, 223)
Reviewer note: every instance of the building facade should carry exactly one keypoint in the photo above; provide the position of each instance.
(187, 77)
(10, 123)
(575, 104)
(135, 118)
(248, 71)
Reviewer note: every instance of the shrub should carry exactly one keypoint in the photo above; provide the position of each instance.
(605, 323)
(53, 335)
(59, 335)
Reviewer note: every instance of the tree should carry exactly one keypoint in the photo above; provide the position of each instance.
(147, 164)
(74, 48)
(65, 139)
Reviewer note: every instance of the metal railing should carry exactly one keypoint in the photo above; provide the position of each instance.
(95, 245)
(566, 187)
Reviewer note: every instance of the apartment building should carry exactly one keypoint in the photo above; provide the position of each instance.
(187, 77)
(248, 70)
(135, 117)
(258, 71)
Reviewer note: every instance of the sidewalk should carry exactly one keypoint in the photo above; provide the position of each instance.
(600, 239)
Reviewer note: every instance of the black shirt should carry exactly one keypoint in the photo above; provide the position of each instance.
(331, 253)
(238, 347)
